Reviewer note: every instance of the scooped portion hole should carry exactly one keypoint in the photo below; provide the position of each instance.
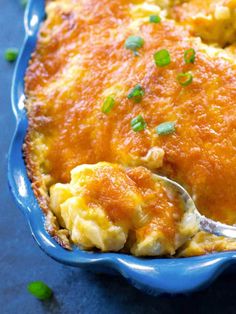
(111, 208)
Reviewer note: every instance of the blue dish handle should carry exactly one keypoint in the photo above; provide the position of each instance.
(34, 14)
(177, 276)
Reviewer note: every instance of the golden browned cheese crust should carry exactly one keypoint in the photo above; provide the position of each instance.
(80, 59)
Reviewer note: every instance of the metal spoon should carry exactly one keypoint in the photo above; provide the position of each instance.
(204, 223)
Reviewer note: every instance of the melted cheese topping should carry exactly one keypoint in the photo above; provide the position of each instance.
(80, 59)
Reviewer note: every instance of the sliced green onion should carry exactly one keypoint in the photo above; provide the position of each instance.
(165, 128)
(108, 104)
(154, 19)
(136, 93)
(138, 124)
(24, 3)
(185, 79)
(134, 43)
(189, 55)
(40, 290)
(11, 54)
(162, 58)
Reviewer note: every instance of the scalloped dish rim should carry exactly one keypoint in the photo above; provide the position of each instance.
(152, 275)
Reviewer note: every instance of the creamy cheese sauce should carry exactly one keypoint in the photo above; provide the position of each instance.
(112, 208)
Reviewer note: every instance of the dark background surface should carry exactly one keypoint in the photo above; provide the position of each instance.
(75, 290)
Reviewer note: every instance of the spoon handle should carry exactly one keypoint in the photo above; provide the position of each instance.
(216, 227)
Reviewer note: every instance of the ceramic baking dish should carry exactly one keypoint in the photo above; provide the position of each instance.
(152, 275)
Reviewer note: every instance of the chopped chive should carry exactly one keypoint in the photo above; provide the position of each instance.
(189, 55)
(11, 54)
(162, 58)
(185, 79)
(40, 290)
(108, 104)
(134, 43)
(154, 19)
(24, 3)
(136, 93)
(138, 124)
(165, 128)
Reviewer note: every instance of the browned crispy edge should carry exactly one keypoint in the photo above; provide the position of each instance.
(51, 224)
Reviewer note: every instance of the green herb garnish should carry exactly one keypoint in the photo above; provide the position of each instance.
(185, 79)
(165, 128)
(11, 54)
(138, 124)
(40, 290)
(108, 104)
(162, 58)
(136, 93)
(134, 43)
(189, 55)
(24, 3)
(154, 19)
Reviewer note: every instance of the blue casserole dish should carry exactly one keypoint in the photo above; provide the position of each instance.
(152, 275)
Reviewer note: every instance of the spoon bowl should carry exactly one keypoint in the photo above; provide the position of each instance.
(204, 224)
